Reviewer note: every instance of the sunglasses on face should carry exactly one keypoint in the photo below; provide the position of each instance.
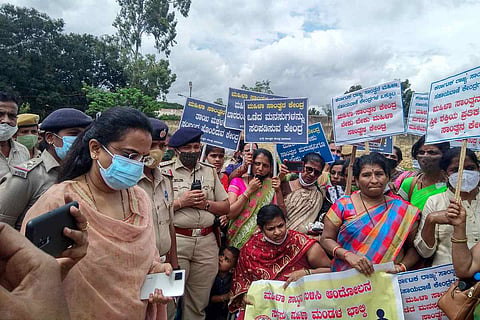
(309, 170)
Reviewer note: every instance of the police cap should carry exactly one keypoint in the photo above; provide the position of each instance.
(160, 129)
(184, 136)
(65, 118)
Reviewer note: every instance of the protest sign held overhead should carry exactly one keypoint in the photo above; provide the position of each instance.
(384, 145)
(454, 107)
(317, 142)
(236, 97)
(472, 144)
(276, 120)
(209, 118)
(417, 116)
(367, 114)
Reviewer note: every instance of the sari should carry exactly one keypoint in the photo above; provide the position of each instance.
(106, 283)
(419, 197)
(378, 235)
(241, 228)
(303, 207)
(262, 260)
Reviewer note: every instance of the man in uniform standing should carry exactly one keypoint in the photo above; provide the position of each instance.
(158, 183)
(199, 197)
(21, 188)
(11, 152)
(27, 133)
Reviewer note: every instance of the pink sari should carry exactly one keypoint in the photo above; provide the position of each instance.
(106, 283)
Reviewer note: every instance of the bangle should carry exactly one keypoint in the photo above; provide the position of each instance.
(334, 251)
(402, 266)
(245, 194)
(455, 240)
(308, 272)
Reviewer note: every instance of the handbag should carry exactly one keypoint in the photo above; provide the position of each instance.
(458, 304)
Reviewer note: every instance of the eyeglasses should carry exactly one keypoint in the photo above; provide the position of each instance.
(309, 170)
(132, 156)
(336, 151)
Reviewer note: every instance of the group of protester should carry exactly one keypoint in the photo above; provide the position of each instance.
(139, 214)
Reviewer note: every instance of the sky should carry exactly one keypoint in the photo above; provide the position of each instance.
(311, 48)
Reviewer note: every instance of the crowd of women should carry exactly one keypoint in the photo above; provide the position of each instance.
(273, 227)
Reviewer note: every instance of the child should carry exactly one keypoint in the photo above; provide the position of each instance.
(217, 309)
(216, 156)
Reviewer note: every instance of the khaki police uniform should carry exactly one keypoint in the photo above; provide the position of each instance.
(197, 248)
(18, 154)
(21, 188)
(160, 191)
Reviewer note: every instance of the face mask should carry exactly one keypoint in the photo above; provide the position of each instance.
(303, 183)
(336, 157)
(470, 180)
(7, 131)
(67, 144)
(168, 155)
(189, 159)
(276, 243)
(123, 173)
(156, 156)
(28, 140)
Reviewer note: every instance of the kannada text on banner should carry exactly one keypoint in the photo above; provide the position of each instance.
(421, 290)
(209, 118)
(454, 107)
(276, 120)
(370, 113)
(472, 144)
(317, 142)
(234, 118)
(384, 145)
(417, 116)
(340, 295)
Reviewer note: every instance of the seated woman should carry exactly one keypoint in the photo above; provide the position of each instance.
(275, 253)
(434, 238)
(248, 194)
(369, 227)
(303, 197)
(100, 172)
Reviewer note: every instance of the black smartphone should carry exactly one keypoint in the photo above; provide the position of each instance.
(294, 166)
(46, 231)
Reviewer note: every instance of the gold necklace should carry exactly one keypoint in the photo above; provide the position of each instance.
(366, 209)
(95, 202)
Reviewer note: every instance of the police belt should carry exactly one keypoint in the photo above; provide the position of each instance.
(194, 232)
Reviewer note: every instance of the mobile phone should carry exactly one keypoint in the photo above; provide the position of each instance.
(46, 231)
(294, 166)
(172, 285)
(196, 185)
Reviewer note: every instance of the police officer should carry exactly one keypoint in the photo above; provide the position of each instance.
(27, 133)
(195, 211)
(28, 181)
(157, 181)
(11, 152)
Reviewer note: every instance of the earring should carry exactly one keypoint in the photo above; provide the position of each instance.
(93, 156)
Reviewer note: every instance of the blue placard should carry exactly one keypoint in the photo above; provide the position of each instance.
(236, 97)
(384, 145)
(276, 121)
(317, 142)
(209, 118)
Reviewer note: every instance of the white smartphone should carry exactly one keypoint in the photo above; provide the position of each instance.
(172, 286)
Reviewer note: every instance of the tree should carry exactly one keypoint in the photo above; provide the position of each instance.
(260, 86)
(353, 88)
(406, 96)
(219, 101)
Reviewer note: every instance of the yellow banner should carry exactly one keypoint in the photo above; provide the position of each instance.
(339, 295)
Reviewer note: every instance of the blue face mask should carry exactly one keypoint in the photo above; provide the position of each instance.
(123, 173)
(67, 144)
(336, 157)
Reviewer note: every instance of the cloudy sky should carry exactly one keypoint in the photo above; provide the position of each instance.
(310, 48)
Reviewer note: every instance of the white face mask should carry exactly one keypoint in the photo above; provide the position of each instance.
(7, 131)
(470, 180)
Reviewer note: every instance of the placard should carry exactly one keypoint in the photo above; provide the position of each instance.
(454, 108)
(234, 118)
(209, 118)
(317, 142)
(417, 116)
(472, 144)
(276, 121)
(384, 145)
(367, 114)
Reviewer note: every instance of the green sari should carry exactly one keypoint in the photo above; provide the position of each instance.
(419, 197)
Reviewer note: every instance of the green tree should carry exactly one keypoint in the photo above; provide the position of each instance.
(406, 96)
(353, 88)
(260, 86)
(219, 101)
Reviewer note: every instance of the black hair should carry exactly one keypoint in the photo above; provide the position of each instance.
(340, 163)
(314, 157)
(8, 97)
(444, 146)
(345, 166)
(399, 154)
(455, 153)
(373, 158)
(266, 153)
(210, 148)
(268, 213)
(235, 252)
(242, 144)
(109, 127)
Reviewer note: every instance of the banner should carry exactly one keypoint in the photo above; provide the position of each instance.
(417, 116)
(367, 114)
(421, 290)
(340, 295)
(234, 118)
(317, 142)
(276, 121)
(472, 144)
(454, 107)
(384, 145)
(209, 118)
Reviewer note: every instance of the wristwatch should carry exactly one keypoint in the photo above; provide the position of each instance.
(207, 206)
